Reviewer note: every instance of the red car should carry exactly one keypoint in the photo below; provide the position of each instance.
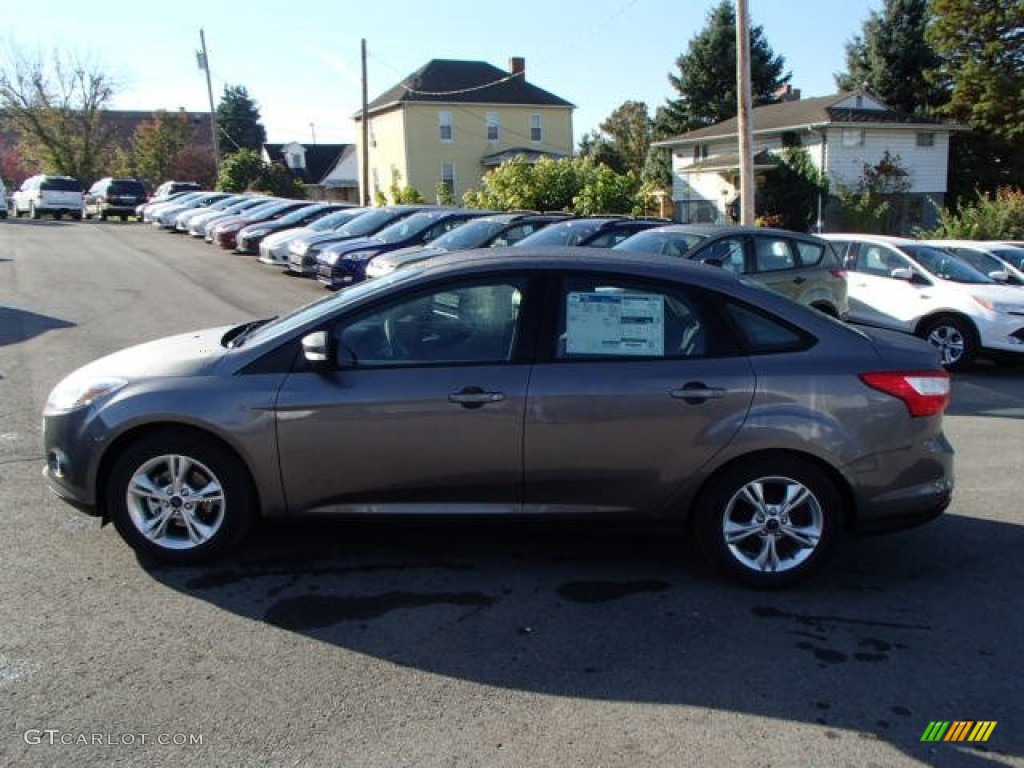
(225, 233)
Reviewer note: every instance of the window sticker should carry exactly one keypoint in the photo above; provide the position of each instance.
(615, 324)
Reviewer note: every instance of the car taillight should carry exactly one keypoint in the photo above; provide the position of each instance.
(925, 393)
(840, 273)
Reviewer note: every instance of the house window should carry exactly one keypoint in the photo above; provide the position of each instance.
(853, 137)
(448, 177)
(700, 152)
(444, 120)
(493, 127)
(926, 139)
(536, 128)
(791, 139)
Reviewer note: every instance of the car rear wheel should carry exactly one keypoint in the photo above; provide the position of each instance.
(179, 498)
(954, 337)
(770, 522)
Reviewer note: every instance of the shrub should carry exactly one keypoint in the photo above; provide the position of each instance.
(997, 216)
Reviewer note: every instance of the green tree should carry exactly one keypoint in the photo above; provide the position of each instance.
(623, 139)
(570, 184)
(893, 59)
(791, 192)
(240, 171)
(238, 122)
(706, 78)
(158, 143)
(56, 105)
(981, 46)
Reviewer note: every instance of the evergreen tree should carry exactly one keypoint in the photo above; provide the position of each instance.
(893, 60)
(706, 81)
(981, 45)
(238, 122)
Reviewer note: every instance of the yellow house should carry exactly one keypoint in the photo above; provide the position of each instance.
(452, 121)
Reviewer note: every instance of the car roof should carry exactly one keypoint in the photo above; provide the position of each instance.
(891, 239)
(710, 230)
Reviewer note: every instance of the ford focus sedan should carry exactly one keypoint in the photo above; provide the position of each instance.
(510, 381)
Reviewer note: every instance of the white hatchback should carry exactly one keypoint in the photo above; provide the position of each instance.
(908, 286)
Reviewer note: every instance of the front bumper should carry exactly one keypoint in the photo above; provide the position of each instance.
(341, 273)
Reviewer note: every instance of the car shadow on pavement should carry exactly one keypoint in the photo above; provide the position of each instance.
(902, 630)
(17, 325)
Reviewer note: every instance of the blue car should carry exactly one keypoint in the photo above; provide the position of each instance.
(345, 263)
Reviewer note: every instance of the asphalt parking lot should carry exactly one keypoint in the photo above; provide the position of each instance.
(440, 643)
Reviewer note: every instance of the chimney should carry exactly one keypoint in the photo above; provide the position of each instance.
(517, 66)
(787, 93)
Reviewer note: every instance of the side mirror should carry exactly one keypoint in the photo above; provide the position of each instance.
(1000, 275)
(903, 273)
(317, 349)
(714, 261)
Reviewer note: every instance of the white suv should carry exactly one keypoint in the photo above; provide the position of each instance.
(906, 285)
(50, 195)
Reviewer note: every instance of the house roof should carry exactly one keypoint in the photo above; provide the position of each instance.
(450, 81)
(320, 159)
(805, 113)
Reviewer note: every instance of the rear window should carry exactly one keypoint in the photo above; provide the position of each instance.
(61, 185)
(127, 188)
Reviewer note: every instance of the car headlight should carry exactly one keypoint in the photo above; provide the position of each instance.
(79, 391)
(257, 233)
(329, 258)
(299, 249)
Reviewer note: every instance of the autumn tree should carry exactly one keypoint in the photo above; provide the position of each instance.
(56, 105)
(238, 122)
(706, 77)
(893, 60)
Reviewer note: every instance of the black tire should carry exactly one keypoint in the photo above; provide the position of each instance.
(215, 525)
(101, 214)
(954, 337)
(77, 216)
(57, 216)
(799, 533)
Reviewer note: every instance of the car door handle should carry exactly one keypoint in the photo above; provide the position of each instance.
(697, 392)
(474, 397)
(799, 280)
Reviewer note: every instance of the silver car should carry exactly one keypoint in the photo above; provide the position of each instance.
(545, 381)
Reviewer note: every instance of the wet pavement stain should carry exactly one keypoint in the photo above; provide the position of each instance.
(606, 591)
(318, 611)
(769, 612)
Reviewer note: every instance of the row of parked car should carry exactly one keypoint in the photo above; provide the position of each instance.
(966, 298)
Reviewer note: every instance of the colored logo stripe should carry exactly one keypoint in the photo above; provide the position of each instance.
(959, 730)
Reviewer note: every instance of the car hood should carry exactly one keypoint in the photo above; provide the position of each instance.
(288, 234)
(411, 254)
(187, 354)
(1004, 294)
(358, 244)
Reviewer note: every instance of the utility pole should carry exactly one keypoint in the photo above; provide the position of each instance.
(203, 59)
(744, 124)
(366, 135)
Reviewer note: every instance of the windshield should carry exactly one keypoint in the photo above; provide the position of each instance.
(336, 219)
(985, 263)
(569, 233)
(126, 187)
(407, 227)
(469, 235)
(945, 265)
(1012, 256)
(299, 214)
(286, 324)
(368, 223)
(660, 243)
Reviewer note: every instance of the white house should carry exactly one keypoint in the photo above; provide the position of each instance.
(842, 133)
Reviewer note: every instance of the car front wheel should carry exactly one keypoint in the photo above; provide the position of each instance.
(955, 339)
(179, 498)
(770, 522)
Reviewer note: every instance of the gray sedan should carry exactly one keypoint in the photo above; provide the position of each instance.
(546, 381)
